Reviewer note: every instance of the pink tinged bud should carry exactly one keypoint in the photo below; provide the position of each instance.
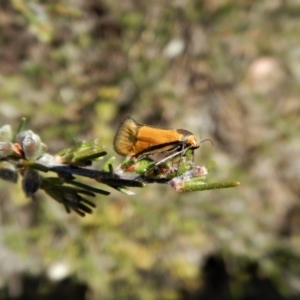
(17, 150)
(177, 184)
(198, 171)
(30, 182)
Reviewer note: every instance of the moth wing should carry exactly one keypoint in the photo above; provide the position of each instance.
(126, 137)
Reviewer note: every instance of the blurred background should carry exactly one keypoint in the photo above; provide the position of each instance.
(225, 70)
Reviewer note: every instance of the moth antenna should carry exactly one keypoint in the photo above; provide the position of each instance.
(209, 140)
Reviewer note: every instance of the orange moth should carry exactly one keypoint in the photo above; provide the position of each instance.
(137, 140)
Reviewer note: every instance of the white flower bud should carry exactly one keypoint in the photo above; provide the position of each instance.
(5, 133)
(5, 149)
(30, 143)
